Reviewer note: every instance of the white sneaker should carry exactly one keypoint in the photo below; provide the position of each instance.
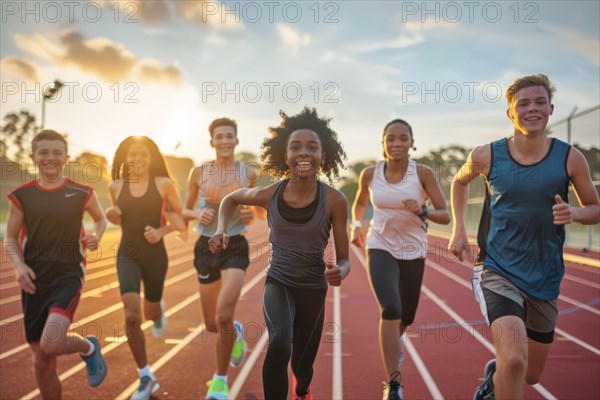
(159, 328)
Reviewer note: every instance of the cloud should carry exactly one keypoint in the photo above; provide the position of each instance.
(20, 68)
(213, 13)
(415, 34)
(138, 10)
(101, 57)
(575, 41)
(292, 38)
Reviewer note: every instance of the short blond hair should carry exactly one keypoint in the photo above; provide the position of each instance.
(528, 81)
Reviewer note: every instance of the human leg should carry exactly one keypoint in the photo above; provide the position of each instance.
(279, 311)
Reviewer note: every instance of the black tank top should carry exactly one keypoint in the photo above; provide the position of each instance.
(138, 212)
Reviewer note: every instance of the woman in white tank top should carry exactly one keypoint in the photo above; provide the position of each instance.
(397, 239)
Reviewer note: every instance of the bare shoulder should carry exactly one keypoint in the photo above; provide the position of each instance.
(366, 176)
(481, 154)
(334, 196)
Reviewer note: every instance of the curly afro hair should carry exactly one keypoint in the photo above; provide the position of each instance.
(274, 147)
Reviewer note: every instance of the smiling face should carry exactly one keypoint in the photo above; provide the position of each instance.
(304, 153)
(397, 142)
(138, 160)
(530, 110)
(224, 141)
(49, 156)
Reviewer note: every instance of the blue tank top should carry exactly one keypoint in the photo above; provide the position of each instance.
(523, 244)
(297, 249)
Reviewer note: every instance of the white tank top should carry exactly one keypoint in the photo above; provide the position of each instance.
(394, 229)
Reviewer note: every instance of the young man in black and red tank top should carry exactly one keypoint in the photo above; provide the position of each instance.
(46, 242)
(301, 211)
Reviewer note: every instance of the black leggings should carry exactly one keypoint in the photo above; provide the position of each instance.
(294, 318)
(396, 284)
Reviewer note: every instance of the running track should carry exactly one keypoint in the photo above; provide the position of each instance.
(446, 347)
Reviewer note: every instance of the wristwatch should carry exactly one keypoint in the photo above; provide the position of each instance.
(425, 212)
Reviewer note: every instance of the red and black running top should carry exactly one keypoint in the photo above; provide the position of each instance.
(52, 232)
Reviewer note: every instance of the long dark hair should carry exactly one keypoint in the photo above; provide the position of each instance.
(158, 166)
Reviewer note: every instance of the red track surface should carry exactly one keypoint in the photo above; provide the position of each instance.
(445, 336)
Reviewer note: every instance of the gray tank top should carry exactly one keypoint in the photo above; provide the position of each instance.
(297, 249)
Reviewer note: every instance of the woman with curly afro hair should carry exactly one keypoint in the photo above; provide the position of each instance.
(301, 211)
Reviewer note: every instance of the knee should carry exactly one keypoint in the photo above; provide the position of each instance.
(391, 311)
(133, 319)
(49, 348)
(224, 319)
(514, 364)
(280, 344)
(42, 361)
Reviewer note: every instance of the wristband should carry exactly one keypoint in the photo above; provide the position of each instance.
(356, 224)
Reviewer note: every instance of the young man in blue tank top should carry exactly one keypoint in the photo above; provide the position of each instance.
(528, 177)
(221, 276)
(46, 243)
(301, 212)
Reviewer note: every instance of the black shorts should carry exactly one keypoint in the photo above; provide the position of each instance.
(149, 267)
(62, 298)
(209, 265)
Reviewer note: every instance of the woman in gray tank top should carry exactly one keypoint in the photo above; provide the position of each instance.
(301, 211)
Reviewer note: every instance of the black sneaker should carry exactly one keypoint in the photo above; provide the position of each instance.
(486, 391)
(392, 390)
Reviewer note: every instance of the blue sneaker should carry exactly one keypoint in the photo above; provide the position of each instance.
(95, 364)
(238, 353)
(486, 391)
(159, 328)
(146, 388)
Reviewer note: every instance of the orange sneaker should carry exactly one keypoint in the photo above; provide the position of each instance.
(307, 396)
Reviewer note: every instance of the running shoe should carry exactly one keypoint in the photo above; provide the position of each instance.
(95, 364)
(159, 328)
(146, 388)
(238, 353)
(486, 391)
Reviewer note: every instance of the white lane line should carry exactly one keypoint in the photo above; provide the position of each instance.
(467, 285)
(542, 390)
(118, 342)
(421, 367)
(416, 358)
(248, 365)
(174, 351)
(337, 391)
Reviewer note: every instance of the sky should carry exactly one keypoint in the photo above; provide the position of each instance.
(166, 69)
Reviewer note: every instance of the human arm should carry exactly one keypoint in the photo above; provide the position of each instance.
(589, 211)
(14, 224)
(204, 216)
(360, 205)
(335, 273)
(113, 213)
(439, 214)
(173, 212)
(247, 213)
(258, 197)
(93, 208)
(478, 163)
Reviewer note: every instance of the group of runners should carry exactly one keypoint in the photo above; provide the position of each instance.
(527, 177)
